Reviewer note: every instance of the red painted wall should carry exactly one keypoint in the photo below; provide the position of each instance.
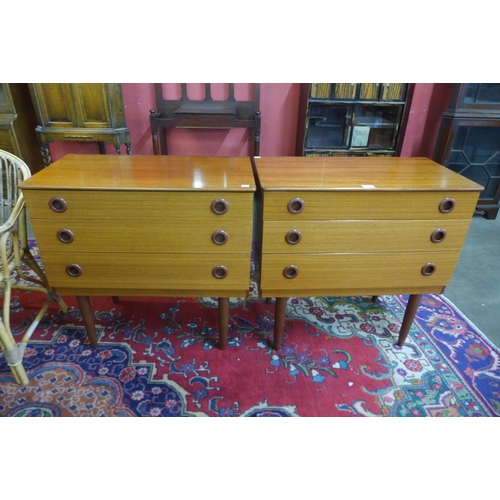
(279, 104)
(427, 106)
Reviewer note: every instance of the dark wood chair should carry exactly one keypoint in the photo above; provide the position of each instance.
(205, 113)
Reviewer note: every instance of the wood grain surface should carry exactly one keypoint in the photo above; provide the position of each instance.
(371, 271)
(95, 172)
(364, 236)
(288, 173)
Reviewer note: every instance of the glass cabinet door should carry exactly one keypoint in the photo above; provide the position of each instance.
(328, 126)
(375, 127)
(476, 155)
(482, 93)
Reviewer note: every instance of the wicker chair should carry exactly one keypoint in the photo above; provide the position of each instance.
(14, 252)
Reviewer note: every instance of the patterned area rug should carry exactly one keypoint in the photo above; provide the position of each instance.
(159, 357)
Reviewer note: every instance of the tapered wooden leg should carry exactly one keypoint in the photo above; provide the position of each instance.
(279, 321)
(223, 321)
(88, 319)
(411, 311)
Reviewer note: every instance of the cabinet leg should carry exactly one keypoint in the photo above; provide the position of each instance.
(223, 321)
(47, 160)
(88, 319)
(279, 321)
(411, 311)
(102, 151)
(491, 214)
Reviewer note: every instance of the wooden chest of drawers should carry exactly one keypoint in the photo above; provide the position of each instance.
(145, 225)
(359, 226)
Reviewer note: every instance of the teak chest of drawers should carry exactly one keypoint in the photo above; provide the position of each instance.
(359, 226)
(144, 225)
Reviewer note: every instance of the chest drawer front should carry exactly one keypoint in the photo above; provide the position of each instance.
(368, 205)
(355, 271)
(363, 236)
(146, 271)
(138, 205)
(158, 237)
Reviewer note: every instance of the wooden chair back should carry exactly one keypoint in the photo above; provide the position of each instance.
(204, 113)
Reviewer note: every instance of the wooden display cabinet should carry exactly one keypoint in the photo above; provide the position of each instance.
(17, 124)
(469, 140)
(351, 119)
(80, 112)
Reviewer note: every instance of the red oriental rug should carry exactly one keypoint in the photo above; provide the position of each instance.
(159, 357)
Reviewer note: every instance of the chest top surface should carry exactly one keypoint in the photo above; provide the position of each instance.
(148, 173)
(292, 173)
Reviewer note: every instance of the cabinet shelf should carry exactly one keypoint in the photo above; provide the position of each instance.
(374, 123)
(327, 125)
(351, 101)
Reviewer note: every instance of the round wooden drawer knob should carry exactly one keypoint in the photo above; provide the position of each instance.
(74, 270)
(65, 235)
(296, 205)
(447, 205)
(220, 237)
(428, 269)
(293, 237)
(58, 204)
(290, 272)
(219, 272)
(219, 206)
(438, 235)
